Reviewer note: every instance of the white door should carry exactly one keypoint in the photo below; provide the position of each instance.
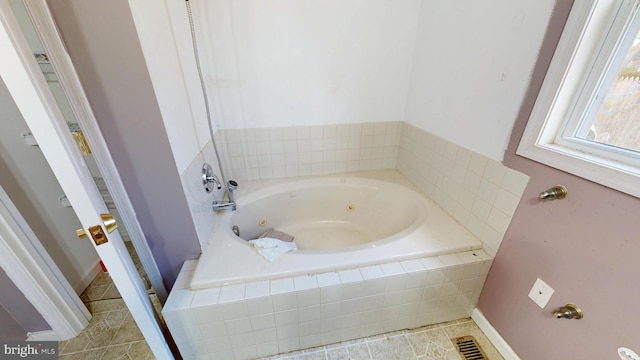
(31, 94)
(40, 29)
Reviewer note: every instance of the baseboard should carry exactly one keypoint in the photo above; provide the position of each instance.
(501, 345)
(86, 280)
(45, 335)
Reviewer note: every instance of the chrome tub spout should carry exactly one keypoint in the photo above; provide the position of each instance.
(230, 204)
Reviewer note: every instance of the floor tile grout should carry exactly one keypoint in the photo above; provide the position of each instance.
(432, 350)
(110, 328)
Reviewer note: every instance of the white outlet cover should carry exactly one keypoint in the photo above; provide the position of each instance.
(541, 293)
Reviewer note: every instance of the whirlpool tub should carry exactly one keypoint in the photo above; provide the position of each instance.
(339, 222)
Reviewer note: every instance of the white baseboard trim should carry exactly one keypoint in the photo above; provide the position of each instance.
(45, 335)
(500, 344)
(86, 280)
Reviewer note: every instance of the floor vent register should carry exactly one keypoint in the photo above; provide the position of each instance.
(469, 348)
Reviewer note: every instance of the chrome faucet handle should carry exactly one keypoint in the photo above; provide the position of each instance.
(232, 185)
(209, 178)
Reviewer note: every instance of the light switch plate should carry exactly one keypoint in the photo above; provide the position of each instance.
(541, 293)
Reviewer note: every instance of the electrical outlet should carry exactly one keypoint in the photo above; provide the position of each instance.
(627, 354)
(541, 293)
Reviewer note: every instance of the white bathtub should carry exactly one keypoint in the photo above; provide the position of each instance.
(340, 222)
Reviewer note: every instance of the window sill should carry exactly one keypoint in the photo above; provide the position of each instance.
(609, 173)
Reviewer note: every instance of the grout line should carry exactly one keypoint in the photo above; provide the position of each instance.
(369, 350)
(366, 341)
(411, 346)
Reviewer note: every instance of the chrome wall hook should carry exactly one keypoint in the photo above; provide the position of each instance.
(554, 192)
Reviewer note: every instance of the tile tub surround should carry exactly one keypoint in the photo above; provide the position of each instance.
(278, 152)
(480, 193)
(251, 320)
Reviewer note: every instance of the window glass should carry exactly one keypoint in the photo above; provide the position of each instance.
(617, 120)
(586, 120)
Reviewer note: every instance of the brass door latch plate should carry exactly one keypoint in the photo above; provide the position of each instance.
(98, 235)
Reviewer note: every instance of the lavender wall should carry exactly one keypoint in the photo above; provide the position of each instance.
(103, 45)
(586, 247)
(10, 329)
(17, 315)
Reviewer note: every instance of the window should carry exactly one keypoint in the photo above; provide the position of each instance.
(586, 119)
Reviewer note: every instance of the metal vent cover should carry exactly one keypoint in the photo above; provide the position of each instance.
(469, 348)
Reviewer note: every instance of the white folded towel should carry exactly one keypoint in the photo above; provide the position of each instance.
(271, 248)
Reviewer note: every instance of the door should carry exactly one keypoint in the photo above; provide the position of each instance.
(41, 32)
(28, 87)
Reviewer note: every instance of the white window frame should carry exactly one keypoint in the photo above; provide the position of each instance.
(558, 104)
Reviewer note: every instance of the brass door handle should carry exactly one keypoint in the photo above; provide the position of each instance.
(109, 222)
(98, 236)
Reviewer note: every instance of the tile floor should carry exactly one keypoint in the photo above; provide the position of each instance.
(431, 342)
(112, 333)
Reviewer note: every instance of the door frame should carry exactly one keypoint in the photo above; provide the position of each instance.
(45, 26)
(27, 86)
(28, 264)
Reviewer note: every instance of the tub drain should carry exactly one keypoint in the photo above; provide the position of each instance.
(262, 222)
(351, 207)
(469, 348)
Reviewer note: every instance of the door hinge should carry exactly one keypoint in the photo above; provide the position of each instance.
(82, 143)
